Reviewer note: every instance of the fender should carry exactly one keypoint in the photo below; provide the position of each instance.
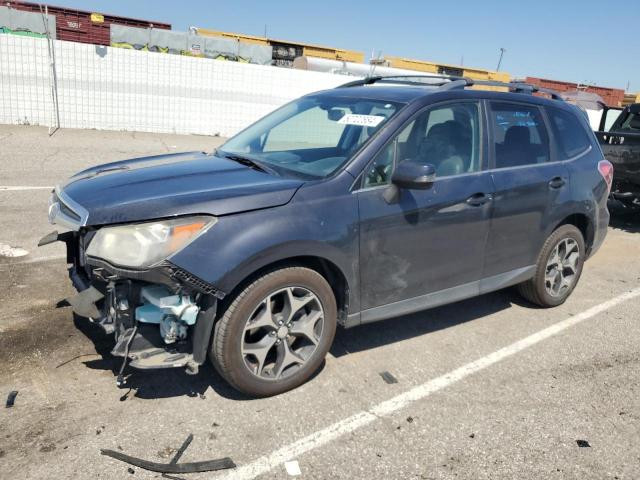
(316, 223)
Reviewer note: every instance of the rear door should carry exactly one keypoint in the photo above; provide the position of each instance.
(529, 186)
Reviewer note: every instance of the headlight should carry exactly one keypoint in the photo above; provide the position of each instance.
(145, 244)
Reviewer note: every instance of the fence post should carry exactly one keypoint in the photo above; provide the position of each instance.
(53, 78)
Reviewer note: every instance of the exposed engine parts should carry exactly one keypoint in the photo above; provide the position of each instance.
(173, 313)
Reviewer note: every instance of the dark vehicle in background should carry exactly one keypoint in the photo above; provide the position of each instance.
(344, 207)
(621, 146)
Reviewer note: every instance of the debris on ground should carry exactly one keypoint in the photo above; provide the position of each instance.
(473, 435)
(173, 466)
(76, 357)
(410, 419)
(293, 468)
(182, 449)
(177, 456)
(166, 452)
(388, 377)
(12, 252)
(11, 398)
(194, 467)
(583, 443)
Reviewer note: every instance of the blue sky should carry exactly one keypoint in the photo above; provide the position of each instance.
(582, 41)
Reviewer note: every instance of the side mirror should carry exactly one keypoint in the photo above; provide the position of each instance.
(414, 175)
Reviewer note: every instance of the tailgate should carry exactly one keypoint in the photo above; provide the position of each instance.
(623, 151)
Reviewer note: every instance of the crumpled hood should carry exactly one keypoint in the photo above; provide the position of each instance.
(175, 184)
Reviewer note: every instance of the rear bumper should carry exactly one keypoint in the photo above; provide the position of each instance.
(600, 229)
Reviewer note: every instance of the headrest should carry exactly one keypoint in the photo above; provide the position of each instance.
(517, 135)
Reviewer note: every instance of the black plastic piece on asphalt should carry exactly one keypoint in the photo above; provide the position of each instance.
(387, 377)
(583, 443)
(178, 455)
(182, 449)
(194, 467)
(11, 399)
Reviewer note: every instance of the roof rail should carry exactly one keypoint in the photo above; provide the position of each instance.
(453, 83)
(519, 87)
(402, 79)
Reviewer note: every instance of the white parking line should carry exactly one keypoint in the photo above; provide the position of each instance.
(19, 188)
(388, 407)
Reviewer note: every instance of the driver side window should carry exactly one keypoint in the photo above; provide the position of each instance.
(379, 171)
(447, 136)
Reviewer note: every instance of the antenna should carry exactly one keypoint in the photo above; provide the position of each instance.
(502, 50)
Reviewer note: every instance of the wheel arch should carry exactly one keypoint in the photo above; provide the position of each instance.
(328, 269)
(583, 223)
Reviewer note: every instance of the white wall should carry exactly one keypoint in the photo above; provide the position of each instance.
(119, 89)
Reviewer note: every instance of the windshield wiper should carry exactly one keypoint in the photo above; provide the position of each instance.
(251, 163)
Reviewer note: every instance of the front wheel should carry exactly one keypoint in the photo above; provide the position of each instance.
(558, 268)
(276, 332)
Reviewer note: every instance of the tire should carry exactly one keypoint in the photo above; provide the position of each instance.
(536, 290)
(284, 289)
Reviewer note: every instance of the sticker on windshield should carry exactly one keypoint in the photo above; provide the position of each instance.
(361, 120)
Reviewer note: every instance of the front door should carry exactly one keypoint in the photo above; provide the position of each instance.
(433, 239)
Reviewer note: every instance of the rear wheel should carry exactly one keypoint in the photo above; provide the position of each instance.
(276, 332)
(558, 268)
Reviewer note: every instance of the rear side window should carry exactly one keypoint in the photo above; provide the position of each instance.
(519, 134)
(570, 136)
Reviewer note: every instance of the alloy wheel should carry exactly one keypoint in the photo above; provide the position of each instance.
(282, 333)
(562, 267)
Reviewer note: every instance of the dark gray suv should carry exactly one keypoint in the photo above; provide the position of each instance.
(348, 206)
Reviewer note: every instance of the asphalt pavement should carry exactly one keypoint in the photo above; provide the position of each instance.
(488, 388)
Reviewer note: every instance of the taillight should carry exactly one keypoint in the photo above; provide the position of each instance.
(606, 170)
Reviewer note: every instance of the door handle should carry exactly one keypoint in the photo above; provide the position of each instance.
(557, 182)
(479, 199)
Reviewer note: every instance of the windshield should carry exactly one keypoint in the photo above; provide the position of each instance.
(313, 136)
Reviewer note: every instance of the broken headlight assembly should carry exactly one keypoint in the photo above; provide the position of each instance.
(143, 245)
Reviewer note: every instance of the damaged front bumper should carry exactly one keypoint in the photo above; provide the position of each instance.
(161, 317)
